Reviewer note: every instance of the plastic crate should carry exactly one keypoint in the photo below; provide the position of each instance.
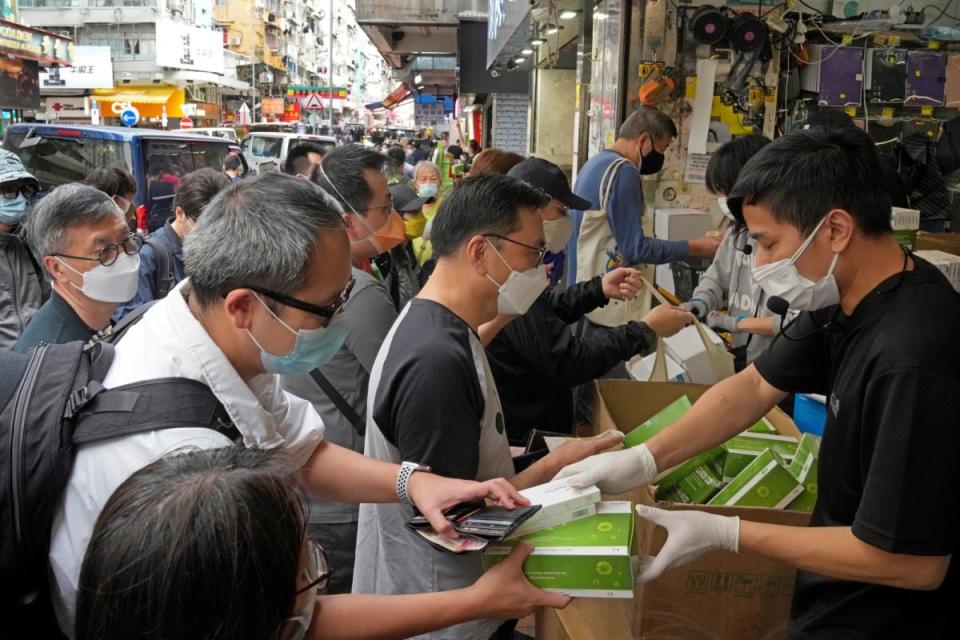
(686, 275)
(810, 414)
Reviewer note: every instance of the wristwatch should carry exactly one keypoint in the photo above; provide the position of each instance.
(407, 469)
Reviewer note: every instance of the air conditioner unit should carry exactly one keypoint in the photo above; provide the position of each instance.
(234, 41)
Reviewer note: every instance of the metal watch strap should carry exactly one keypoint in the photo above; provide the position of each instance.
(407, 469)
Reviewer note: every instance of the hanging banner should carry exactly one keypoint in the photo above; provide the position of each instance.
(182, 46)
(92, 69)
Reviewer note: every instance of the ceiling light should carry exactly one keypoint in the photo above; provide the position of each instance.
(568, 14)
(537, 41)
(418, 78)
(551, 29)
(528, 51)
(599, 15)
(520, 60)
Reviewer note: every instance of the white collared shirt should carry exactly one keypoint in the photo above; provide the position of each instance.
(168, 342)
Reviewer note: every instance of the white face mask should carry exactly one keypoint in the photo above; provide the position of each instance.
(782, 279)
(557, 233)
(725, 209)
(520, 290)
(116, 283)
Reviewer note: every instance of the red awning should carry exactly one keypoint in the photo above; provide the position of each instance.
(398, 95)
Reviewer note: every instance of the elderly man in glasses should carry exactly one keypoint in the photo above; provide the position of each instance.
(87, 248)
(268, 271)
(23, 287)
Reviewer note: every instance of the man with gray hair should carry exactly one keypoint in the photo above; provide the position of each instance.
(23, 287)
(86, 246)
(268, 271)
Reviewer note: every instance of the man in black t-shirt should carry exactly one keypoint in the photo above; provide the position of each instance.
(879, 339)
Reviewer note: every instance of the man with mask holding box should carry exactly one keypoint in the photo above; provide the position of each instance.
(535, 358)
(92, 258)
(23, 287)
(433, 402)
(876, 335)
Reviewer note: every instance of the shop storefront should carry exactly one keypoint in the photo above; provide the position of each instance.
(156, 105)
(23, 51)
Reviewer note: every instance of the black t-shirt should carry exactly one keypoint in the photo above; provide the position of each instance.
(891, 372)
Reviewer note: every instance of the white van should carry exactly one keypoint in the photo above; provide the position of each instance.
(263, 147)
(215, 132)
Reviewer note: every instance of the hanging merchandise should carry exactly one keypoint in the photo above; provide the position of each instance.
(926, 75)
(708, 25)
(747, 32)
(887, 75)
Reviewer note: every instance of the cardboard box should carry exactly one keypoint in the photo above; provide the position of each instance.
(641, 368)
(765, 482)
(804, 469)
(687, 349)
(677, 224)
(719, 595)
(696, 487)
(657, 423)
(588, 558)
(555, 521)
(946, 242)
(557, 500)
(947, 263)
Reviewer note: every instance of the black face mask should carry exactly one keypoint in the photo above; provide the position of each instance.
(651, 163)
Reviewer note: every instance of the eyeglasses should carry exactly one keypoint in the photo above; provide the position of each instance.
(318, 570)
(109, 253)
(540, 251)
(324, 312)
(10, 191)
(560, 207)
(388, 206)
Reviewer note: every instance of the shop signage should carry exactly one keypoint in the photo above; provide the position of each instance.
(271, 106)
(19, 87)
(183, 46)
(35, 44)
(92, 69)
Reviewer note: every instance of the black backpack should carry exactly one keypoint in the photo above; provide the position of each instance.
(51, 402)
(162, 281)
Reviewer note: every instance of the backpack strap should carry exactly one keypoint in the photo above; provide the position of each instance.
(150, 405)
(359, 424)
(162, 275)
(609, 176)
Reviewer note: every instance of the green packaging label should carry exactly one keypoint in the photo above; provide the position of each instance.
(663, 419)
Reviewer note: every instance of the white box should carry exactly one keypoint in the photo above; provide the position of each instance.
(555, 499)
(687, 349)
(904, 219)
(640, 368)
(678, 224)
(947, 263)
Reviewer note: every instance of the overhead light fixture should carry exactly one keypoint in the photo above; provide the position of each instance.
(537, 41)
(551, 29)
(528, 51)
(599, 15)
(520, 60)
(420, 88)
(569, 14)
(417, 79)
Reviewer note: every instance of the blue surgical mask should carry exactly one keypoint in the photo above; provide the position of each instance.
(313, 347)
(427, 190)
(13, 211)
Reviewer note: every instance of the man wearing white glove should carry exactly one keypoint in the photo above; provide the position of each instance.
(876, 334)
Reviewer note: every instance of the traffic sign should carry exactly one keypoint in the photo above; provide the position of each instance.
(243, 114)
(313, 103)
(130, 116)
(186, 123)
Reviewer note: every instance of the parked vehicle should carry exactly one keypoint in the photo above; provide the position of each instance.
(58, 154)
(265, 151)
(227, 133)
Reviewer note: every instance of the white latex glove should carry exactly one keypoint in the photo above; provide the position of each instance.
(690, 534)
(614, 471)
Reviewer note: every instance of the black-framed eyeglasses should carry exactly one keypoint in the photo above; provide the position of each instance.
(540, 251)
(388, 206)
(324, 312)
(319, 569)
(10, 191)
(109, 253)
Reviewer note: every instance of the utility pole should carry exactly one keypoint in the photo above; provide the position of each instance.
(330, 69)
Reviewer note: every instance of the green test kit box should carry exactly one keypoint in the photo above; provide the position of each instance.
(804, 469)
(586, 558)
(657, 423)
(765, 482)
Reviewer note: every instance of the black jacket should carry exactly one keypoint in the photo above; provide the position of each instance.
(536, 360)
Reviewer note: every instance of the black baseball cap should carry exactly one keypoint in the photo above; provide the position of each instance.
(405, 199)
(549, 177)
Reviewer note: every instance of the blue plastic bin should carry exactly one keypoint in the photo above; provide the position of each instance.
(810, 414)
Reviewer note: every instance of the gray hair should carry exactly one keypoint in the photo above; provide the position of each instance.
(70, 206)
(424, 164)
(259, 232)
(648, 120)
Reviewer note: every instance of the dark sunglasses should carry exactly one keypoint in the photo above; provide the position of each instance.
(324, 312)
(540, 251)
(109, 253)
(10, 191)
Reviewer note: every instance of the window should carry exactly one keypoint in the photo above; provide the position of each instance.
(59, 160)
(263, 147)
(131, 46)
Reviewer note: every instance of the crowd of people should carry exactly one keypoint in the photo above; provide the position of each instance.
(382, 332)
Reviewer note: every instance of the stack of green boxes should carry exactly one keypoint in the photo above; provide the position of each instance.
(757, 468)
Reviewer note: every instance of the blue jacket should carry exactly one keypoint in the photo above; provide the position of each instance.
(148, 267)
(625, 214)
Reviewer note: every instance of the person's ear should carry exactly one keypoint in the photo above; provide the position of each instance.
(239, 305)
(476, 252)
(56, 269)
(841, 226)
(180, 214)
